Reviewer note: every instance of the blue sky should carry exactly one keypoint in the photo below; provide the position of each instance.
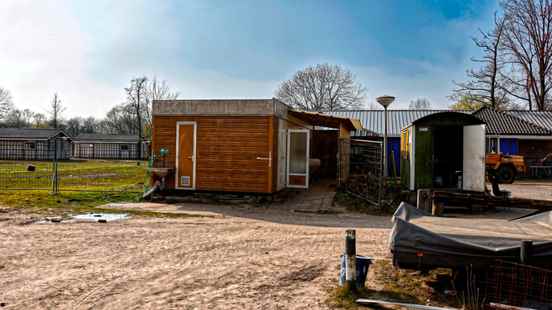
(87, 51)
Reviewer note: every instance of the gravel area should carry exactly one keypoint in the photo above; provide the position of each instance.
(238, 258)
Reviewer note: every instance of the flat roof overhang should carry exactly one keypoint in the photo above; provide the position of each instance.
(323, 120)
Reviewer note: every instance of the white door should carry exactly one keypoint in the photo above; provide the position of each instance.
(298, 158)
(473, 171)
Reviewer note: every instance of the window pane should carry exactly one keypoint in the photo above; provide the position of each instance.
(298, 152)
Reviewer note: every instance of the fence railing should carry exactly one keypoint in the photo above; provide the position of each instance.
(123, 151)
(365, 169)
(518, 285)
(45, 167)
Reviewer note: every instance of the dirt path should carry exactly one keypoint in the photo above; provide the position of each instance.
(242, 259)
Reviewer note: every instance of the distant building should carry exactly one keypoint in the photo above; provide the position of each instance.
(34, 144)
(373, 129)
(527, 133)
(103, 146)
(516, 132)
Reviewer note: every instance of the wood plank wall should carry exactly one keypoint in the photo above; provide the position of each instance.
(227, 151)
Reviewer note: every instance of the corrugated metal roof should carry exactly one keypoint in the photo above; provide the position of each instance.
(539, 118)
(373, 120)
(30, 133)
(502, 123)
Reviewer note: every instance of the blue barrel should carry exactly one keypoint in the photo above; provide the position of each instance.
(362, 266)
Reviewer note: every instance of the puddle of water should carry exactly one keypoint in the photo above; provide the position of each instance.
(101, 217)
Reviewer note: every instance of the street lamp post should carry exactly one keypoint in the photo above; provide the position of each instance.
(385, 102)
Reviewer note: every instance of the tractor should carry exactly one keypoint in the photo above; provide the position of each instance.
(504, 168)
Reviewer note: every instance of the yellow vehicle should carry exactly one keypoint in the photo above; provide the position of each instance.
(504, 168)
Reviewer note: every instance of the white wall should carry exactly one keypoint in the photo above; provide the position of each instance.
(473, 176)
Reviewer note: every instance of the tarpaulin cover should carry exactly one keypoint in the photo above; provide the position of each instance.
(421, 241)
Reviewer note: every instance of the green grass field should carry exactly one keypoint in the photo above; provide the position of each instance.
(94, 175)
(82, 184)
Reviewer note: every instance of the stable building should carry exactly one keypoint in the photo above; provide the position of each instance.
(250, 146)
(104, 146)
(526, 133)
(34, 144)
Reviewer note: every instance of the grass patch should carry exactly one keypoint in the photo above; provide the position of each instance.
(97, 175)
(42, 202)
(392, 284)
(355, 204)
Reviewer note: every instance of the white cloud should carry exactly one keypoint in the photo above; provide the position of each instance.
(44, 49)
(88, 52)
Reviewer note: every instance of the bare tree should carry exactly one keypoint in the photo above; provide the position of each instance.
(528, 46)
(155, 90)
(485, 85)
(119, 120)
(27, 116)
(73, 126)
(39, 120)
(55, 112)
(6, 103)
(419, 104)
(323, 87)
(136, 94)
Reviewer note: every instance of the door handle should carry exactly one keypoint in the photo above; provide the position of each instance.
(269, 158)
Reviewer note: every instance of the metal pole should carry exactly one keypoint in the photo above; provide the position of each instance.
(385, 172)
(350, 259)
(525, 251)
(55, 185)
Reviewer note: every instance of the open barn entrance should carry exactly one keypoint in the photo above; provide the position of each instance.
(447, 156)
(324, 155)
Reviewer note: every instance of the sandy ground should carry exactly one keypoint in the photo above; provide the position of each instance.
(538, 189)
(231, 258)
(239, 258)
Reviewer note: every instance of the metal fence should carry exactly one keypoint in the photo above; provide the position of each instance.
(53, 170)
(365, 169)
(119, 150)
(518, 285)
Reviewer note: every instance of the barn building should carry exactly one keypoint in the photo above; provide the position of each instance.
(526, 133)
(104, 146)
(259, 146)
(34, 144)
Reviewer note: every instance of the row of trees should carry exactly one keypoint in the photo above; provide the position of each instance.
(515, 68)
(132, 117)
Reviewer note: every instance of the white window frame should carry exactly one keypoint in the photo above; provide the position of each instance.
(194, 161)
(306, 175)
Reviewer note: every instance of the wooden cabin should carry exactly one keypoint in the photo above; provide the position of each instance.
(249, 146)
(444, 150)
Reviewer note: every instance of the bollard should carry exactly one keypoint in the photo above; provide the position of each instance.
(350, 259)
(525, 251)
